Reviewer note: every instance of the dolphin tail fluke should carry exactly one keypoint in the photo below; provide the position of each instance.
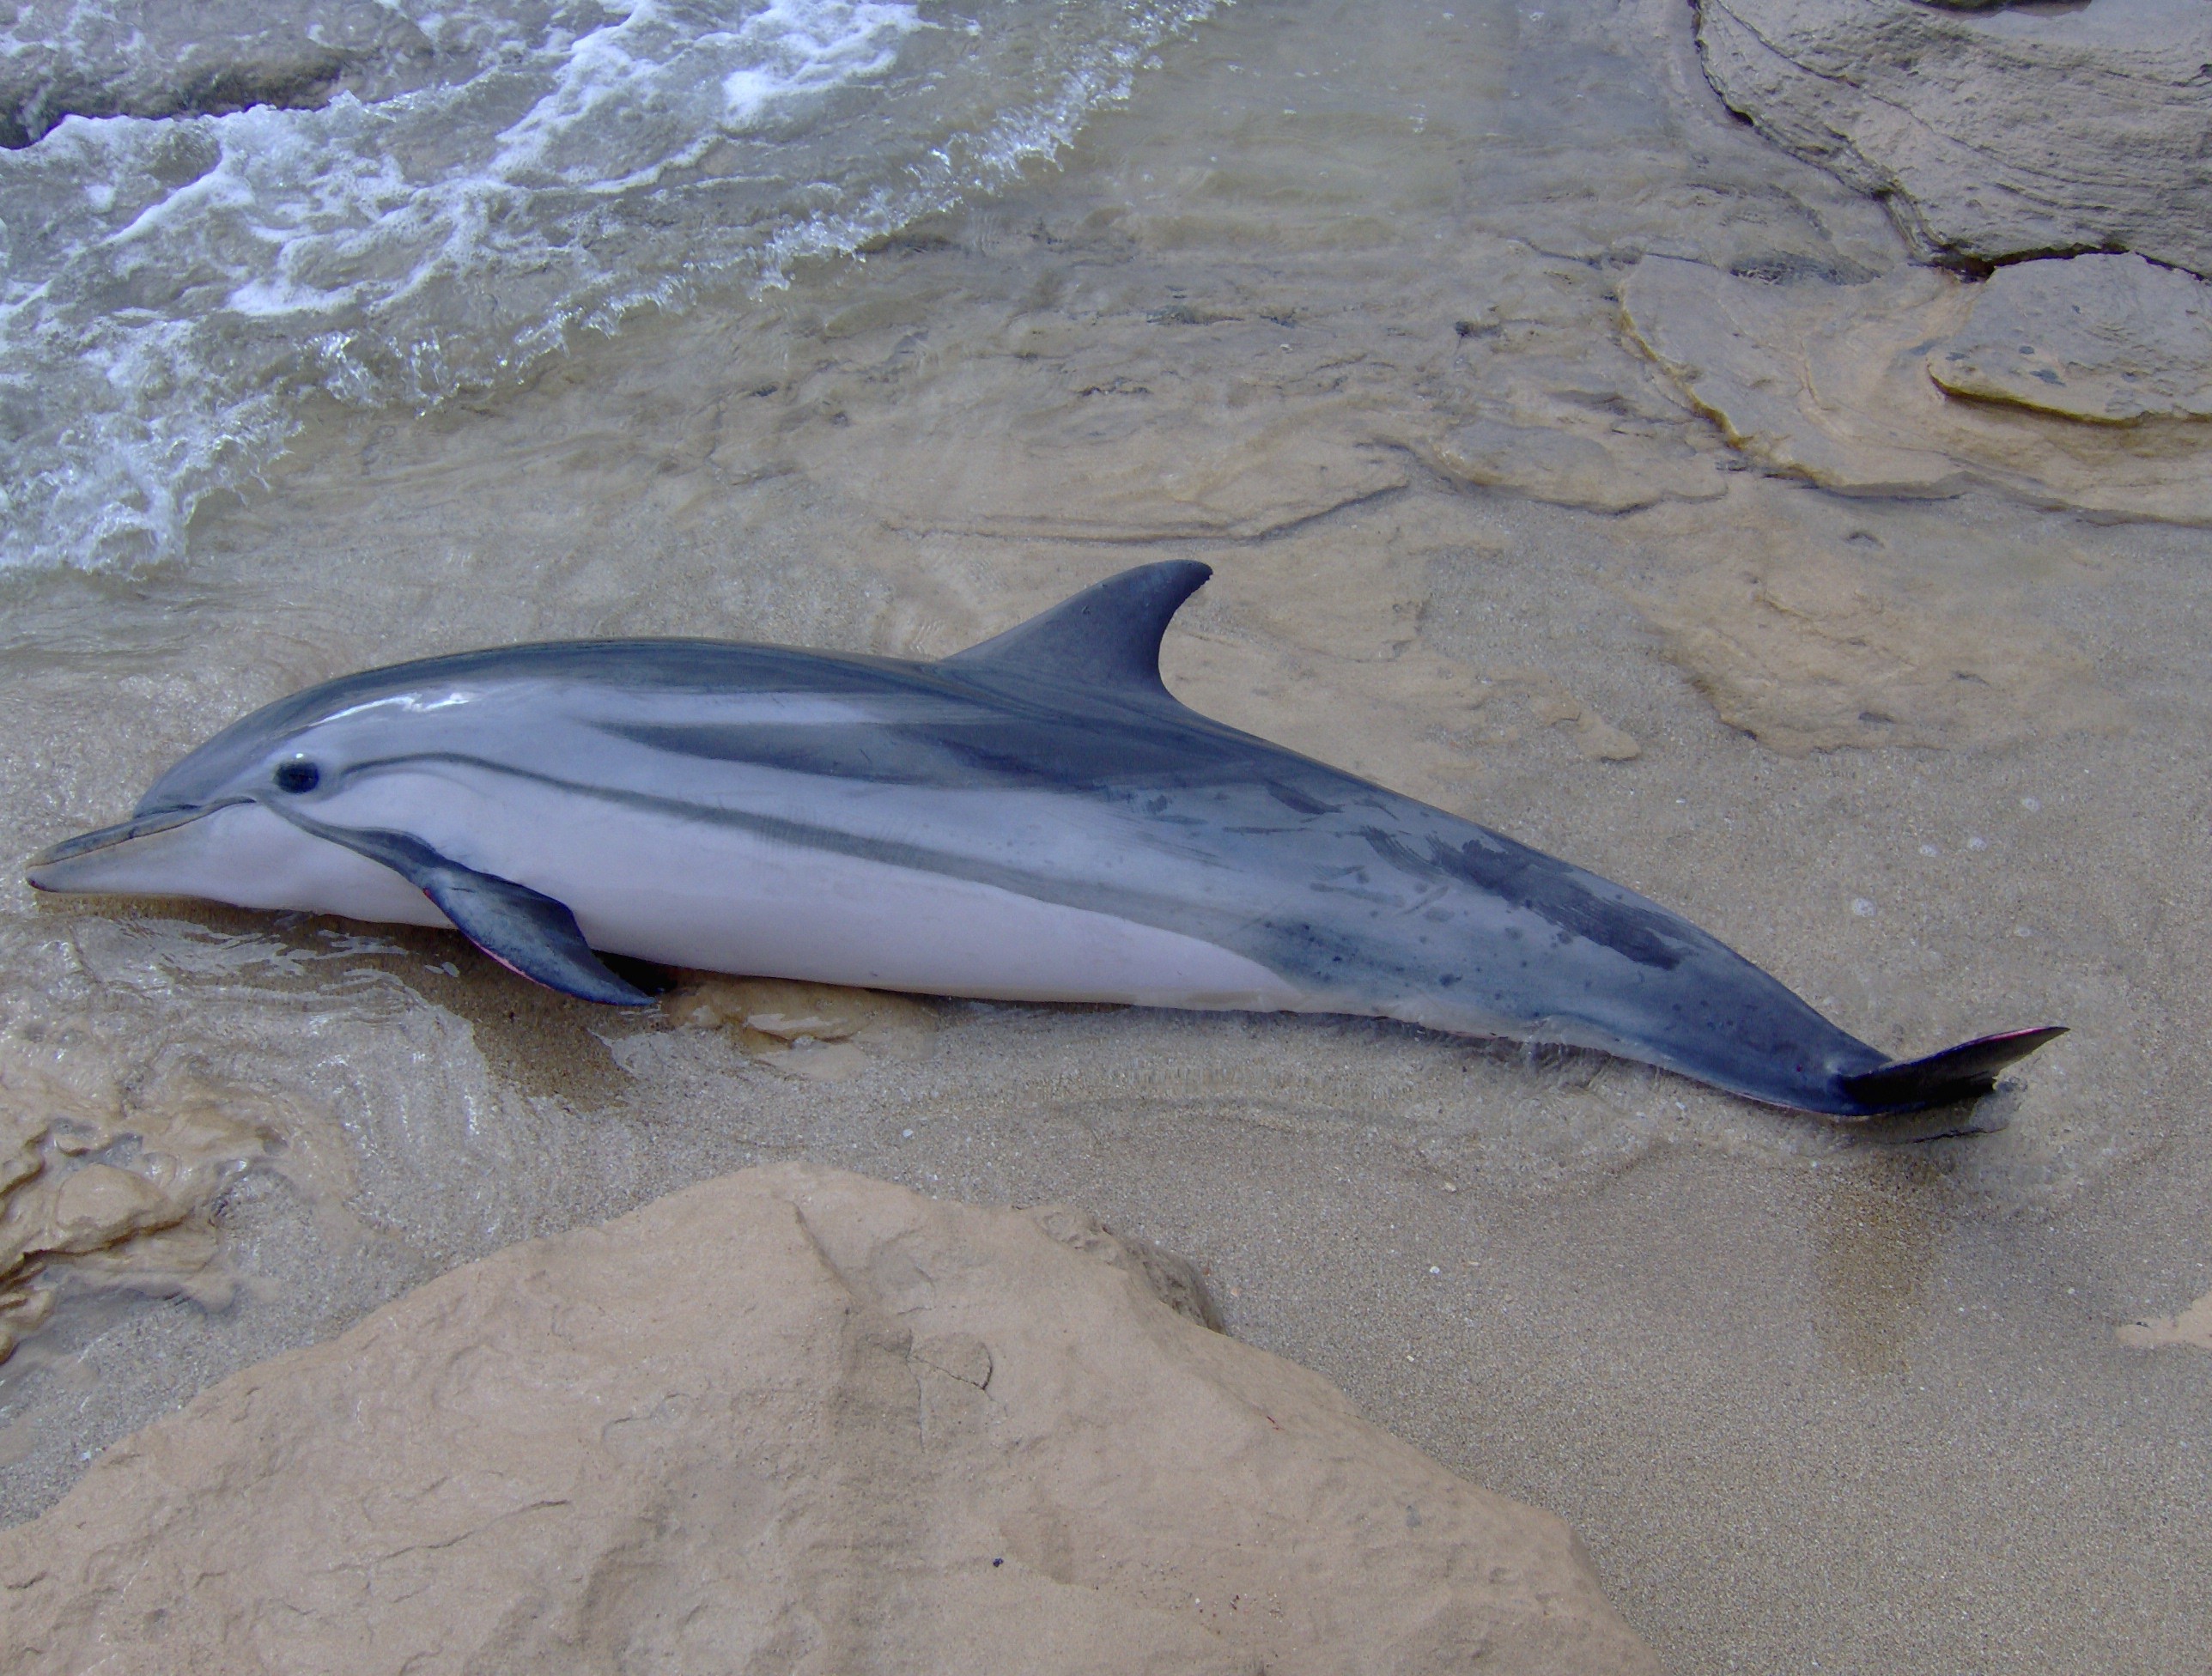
(1964, 1073)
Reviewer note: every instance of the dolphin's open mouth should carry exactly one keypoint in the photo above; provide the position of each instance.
(52, 861)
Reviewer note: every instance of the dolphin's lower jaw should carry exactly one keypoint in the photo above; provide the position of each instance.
(236, 852)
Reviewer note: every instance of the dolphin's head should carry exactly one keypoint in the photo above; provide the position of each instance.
(284, 754)
(229, 821)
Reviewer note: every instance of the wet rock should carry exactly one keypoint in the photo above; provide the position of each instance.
(1794, 375)
(816, 1032)
(1554, 463)
(107, 1179)
(2108, 338)
(1993, 134)
(1809, 642)
(794, 1419)
(144, 58)
(1594, 737)
(1128, 430)
(1832, 383)
(2192, 1327)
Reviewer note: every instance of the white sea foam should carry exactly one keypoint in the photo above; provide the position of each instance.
(172, 289)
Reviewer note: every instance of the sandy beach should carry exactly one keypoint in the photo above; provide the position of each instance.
(1566, 456)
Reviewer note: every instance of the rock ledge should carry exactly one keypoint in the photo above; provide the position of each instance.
(798, 1420)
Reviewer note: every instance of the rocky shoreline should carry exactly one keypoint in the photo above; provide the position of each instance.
(796, 1419)
(1568, 453)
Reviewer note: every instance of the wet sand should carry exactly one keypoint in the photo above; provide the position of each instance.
(1372, 339)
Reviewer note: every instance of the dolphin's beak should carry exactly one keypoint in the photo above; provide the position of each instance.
(232, 849)
(104, 861)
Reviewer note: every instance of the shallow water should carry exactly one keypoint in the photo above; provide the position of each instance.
(1348, 325)
(470, 187)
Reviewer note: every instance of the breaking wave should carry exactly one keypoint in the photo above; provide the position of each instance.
(393, 200)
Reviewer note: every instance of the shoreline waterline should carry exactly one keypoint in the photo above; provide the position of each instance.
(1373, 337)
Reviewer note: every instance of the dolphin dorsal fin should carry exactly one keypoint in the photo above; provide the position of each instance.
(1106, 636)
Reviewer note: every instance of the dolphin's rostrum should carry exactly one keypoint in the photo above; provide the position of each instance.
(1034, 818)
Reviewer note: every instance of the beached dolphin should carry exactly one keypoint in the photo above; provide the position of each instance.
(1035, 818)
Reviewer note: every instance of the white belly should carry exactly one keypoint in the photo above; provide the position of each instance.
(749, 905)
(714, 897)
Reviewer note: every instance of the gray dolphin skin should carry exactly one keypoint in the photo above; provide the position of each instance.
(1035, 818)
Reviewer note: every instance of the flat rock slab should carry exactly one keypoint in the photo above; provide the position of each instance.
(2107, 338)
(1832, 383)
(799, 1420)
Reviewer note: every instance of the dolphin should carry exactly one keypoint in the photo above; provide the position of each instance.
(1035, 818)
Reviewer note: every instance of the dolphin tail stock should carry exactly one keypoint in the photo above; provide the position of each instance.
(1964, 1073)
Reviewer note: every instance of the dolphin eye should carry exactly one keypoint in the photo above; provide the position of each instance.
(298, 777)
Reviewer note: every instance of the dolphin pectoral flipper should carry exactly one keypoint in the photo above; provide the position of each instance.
(1963, 1072)
(529, 933)
(523, 930)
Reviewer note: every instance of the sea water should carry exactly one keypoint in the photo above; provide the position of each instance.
(1353, 299)
(477, 183)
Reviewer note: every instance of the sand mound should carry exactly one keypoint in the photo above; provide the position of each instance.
(800, 1420)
